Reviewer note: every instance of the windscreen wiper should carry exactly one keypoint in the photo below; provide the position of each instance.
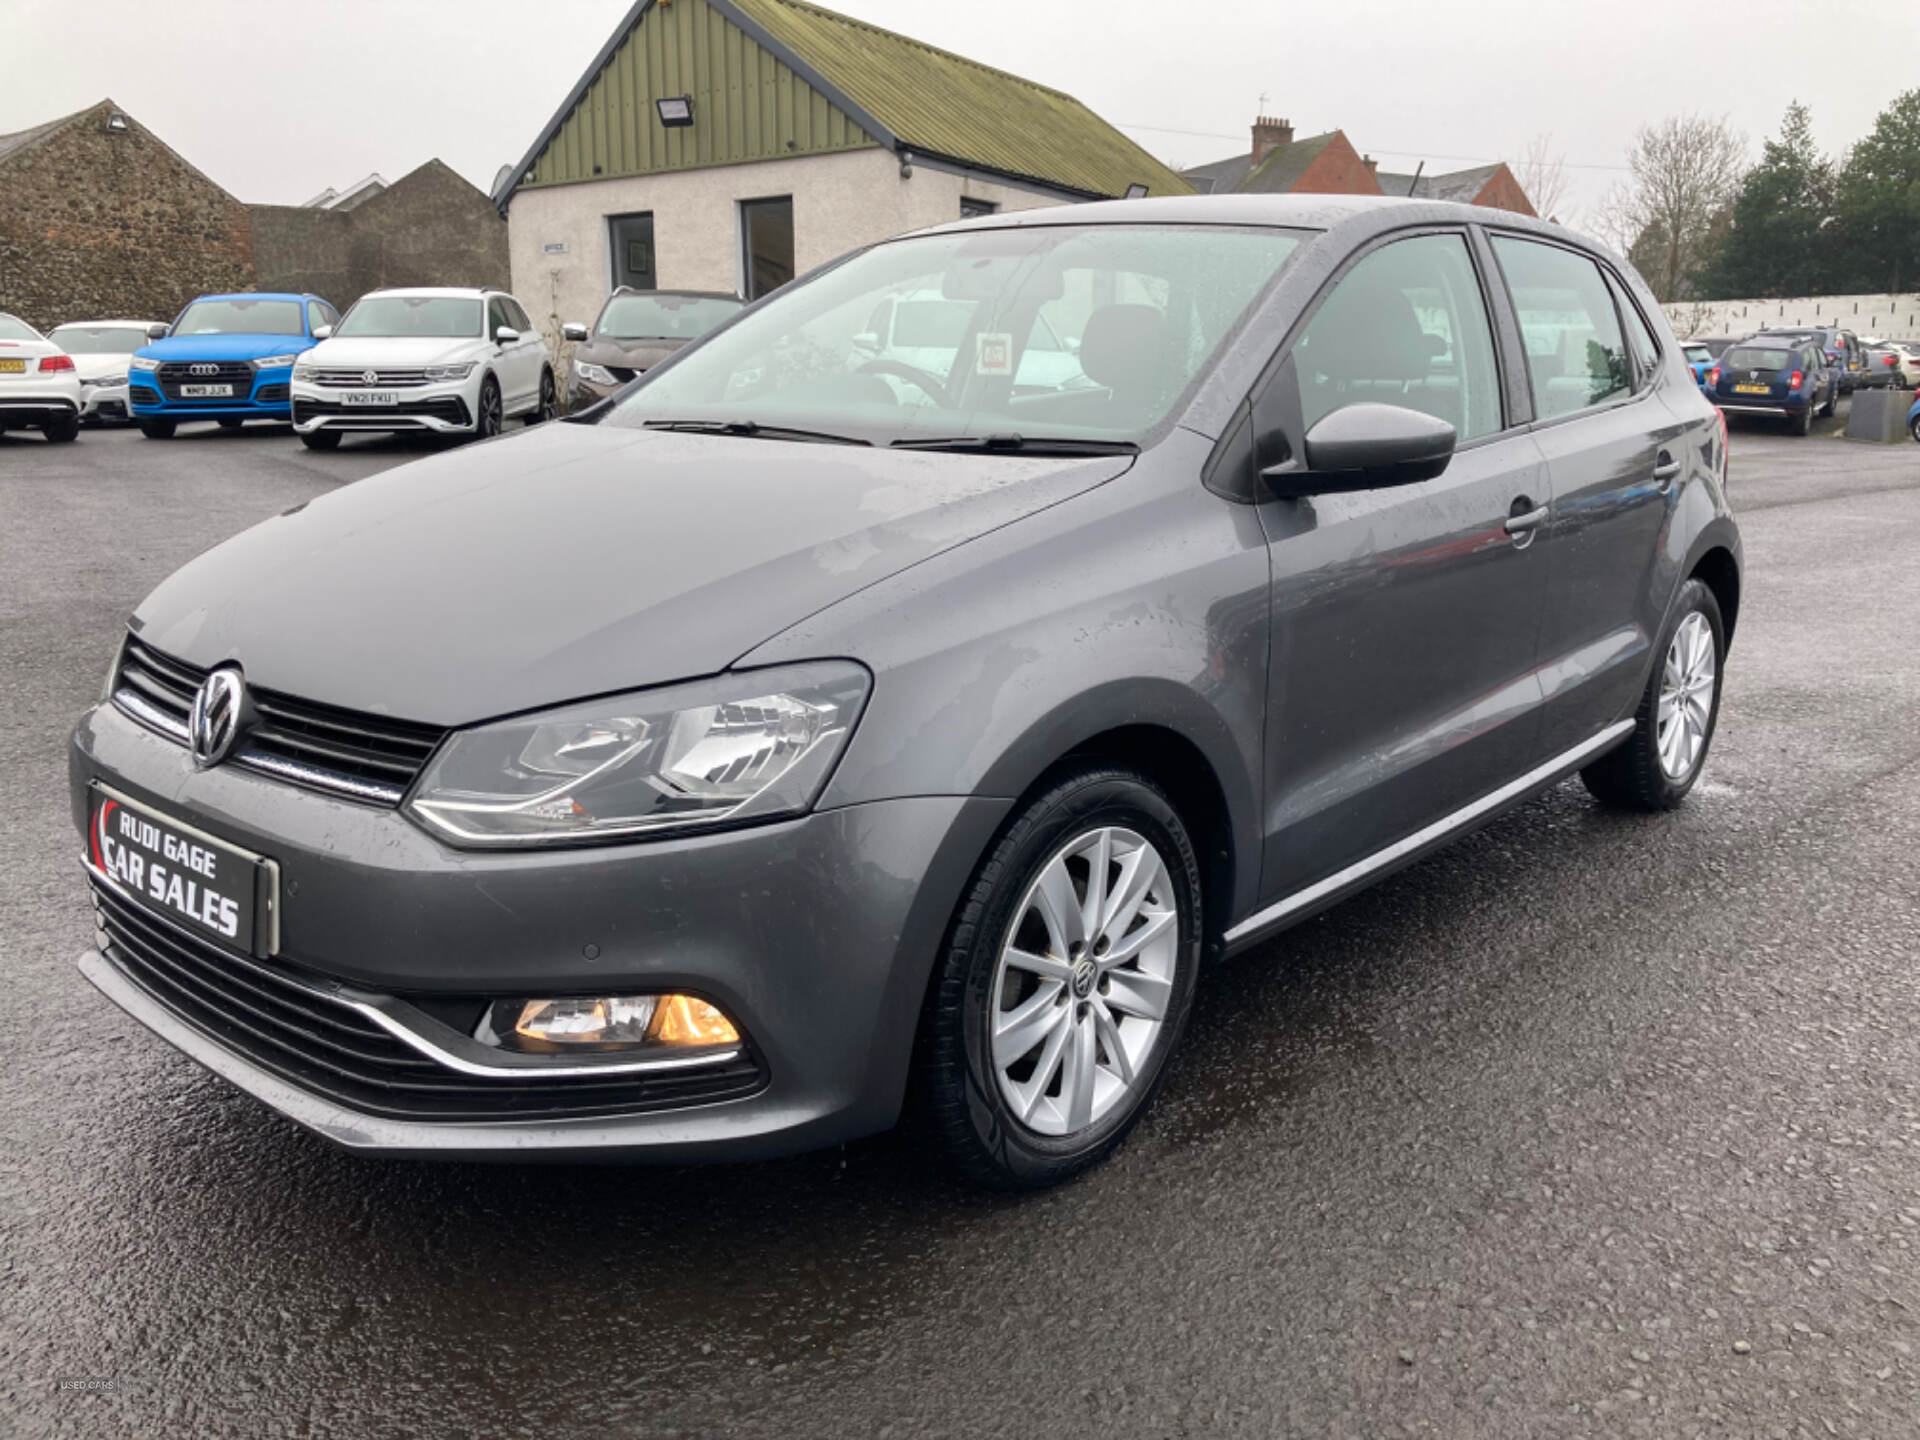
(1011, 444)
(755, 430)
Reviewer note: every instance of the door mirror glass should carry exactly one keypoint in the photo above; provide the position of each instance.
(157, 331)
(1365, 447)
(576, 332)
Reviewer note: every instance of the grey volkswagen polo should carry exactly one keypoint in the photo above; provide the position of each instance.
(805, 733)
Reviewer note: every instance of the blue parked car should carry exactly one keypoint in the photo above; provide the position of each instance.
(1913, 420)
(1700, 361)
(1776, 376)
(227, 358)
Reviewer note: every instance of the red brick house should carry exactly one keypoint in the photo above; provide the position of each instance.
(1328, 164)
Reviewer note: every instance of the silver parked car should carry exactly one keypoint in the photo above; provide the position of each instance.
(810, 725)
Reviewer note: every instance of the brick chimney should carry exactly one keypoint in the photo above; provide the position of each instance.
(1373, 165)
(1269, 135)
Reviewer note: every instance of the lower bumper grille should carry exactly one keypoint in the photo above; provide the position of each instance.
(448, 408)
(327, 1049)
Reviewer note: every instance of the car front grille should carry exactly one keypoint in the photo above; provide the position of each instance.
(449, 408)
(357, 379)
(281, 1023)
(346, 753)
(174, 373)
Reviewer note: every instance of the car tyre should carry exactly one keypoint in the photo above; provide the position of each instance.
(549, 399)
(1673, 727)
(487, 421)
(1914, 428)
(1096, 1003)
(321, 439)
(1801, 421)
(157, 429)
(60, 432)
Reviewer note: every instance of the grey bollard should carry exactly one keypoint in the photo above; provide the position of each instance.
(1879, 416)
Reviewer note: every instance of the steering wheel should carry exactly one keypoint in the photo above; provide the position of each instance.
(926, 380)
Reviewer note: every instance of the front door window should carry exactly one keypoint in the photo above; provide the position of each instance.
(766, 239)
(632, 237)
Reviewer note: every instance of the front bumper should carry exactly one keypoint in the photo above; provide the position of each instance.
(582, 392)
(266, 399)
(104, 402)
(446, 409)
(816, 934)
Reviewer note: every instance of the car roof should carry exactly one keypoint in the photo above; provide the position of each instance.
(445, 292)
(680, 294)
(254, 295)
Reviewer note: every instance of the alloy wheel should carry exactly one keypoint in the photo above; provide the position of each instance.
(1686, 697)
(490, 416)
(1083, 982)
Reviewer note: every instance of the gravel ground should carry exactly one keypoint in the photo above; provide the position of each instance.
(1588, 1125)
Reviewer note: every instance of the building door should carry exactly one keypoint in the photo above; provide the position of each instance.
(632, 237)
(766, 243)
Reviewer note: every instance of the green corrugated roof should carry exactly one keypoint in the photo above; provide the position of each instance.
(946, 104)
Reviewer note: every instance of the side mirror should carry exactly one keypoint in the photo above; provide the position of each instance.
(868, 341)
(505, 335)
(1365, 447)
(575, 332)
(157, 331)
(321, 332)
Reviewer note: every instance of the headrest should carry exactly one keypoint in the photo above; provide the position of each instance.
(1124, 347)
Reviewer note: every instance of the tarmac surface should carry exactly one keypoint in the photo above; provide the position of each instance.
(1591, 1124)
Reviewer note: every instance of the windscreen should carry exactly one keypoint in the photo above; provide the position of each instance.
(98, 339)
(240, 317)
(1699, 354)
(663, 317)
(12, 329)
(1749, 357)
(395, 316)
(1072, 332)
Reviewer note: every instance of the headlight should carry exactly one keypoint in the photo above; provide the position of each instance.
(748, 746)
(274, 362)
(141, 362)
(594, 374)
(302, 371)
(438, 374)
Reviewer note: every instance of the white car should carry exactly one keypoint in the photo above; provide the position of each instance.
(39, 387)
(453, 362)
(100, 351)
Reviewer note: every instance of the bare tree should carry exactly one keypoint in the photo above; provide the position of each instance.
(1543, 175)
(1685, 172)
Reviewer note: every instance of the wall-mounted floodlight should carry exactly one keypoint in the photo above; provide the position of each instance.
(676, 111)
(1136, 192)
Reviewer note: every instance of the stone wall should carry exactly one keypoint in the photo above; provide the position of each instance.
(113, 225)
(430, 227)
(1889, 317)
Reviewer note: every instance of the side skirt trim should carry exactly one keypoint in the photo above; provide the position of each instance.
(1441, 829)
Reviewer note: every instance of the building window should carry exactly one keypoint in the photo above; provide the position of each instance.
(766, 244)
(972, 208)
(631, 238)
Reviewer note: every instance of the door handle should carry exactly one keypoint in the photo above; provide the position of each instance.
(1523, 524)
(1665, 469)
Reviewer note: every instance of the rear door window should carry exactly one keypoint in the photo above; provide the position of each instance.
(1406, 326)
(1576, 355)
(1646, 350)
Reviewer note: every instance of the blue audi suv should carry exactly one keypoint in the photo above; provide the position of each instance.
(227, 358)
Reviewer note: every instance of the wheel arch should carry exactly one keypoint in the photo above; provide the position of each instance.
(1719, 571)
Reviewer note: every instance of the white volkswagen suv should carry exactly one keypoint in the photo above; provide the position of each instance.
(455, 362)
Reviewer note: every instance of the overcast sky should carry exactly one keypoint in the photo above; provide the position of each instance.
(277, 101)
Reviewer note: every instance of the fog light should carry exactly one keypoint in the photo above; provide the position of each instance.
(577, 1023)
